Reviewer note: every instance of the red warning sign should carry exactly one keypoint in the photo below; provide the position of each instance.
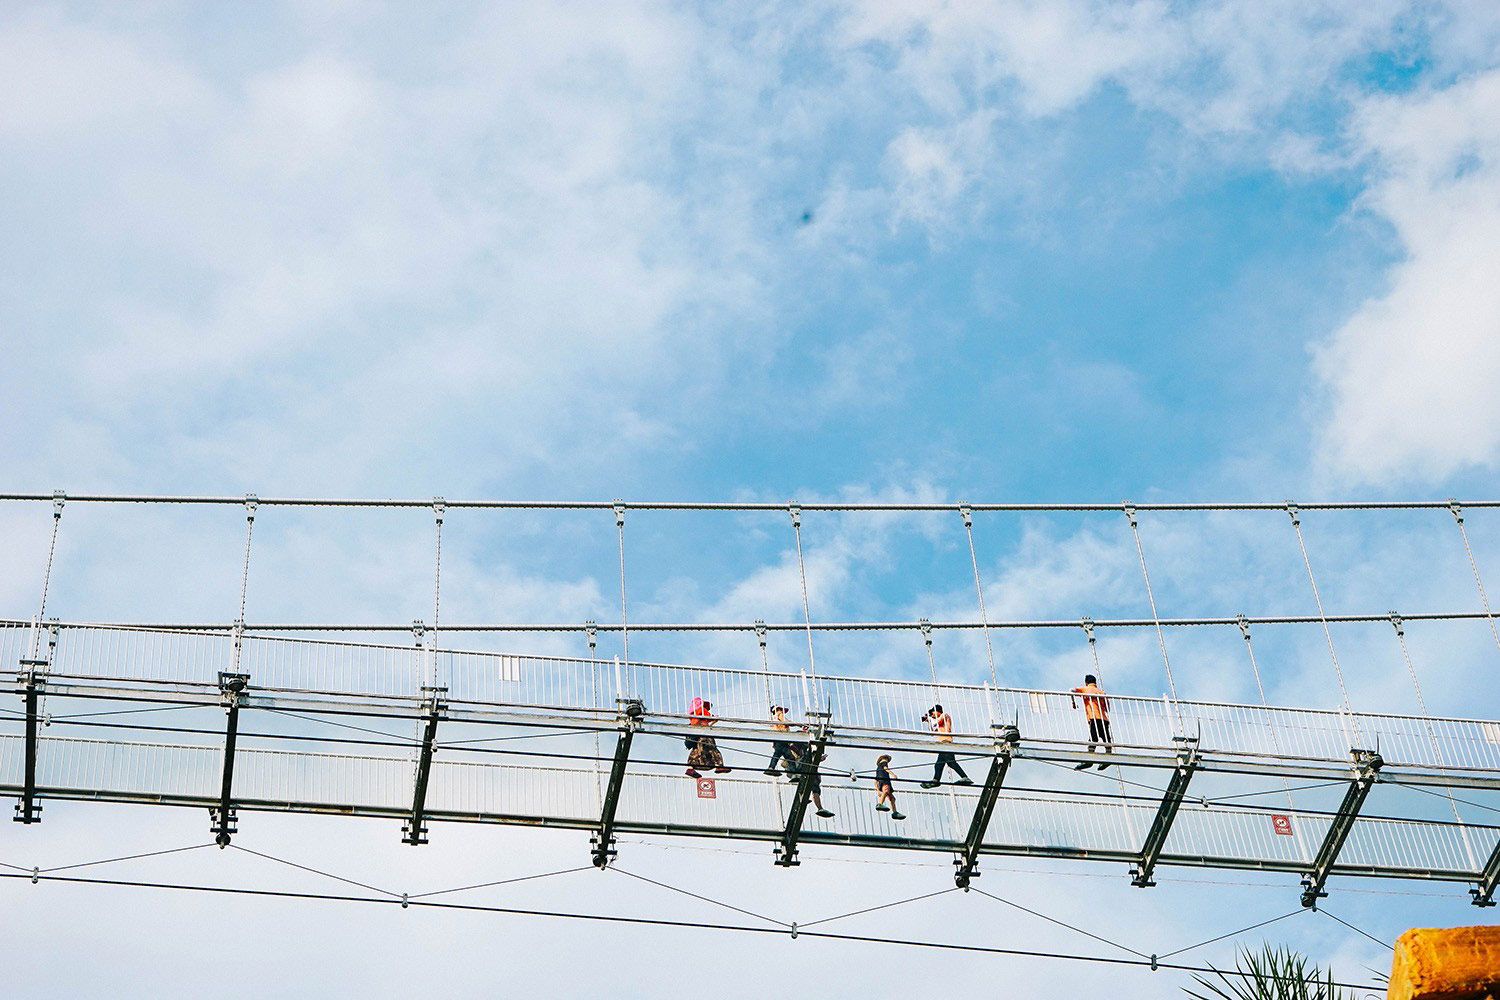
(1281, 824)
(706, 789)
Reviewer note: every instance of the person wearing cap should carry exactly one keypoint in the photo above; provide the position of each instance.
(781, 750)
(942, 724)
(885, 798)
(702, 750)
(1096, 710)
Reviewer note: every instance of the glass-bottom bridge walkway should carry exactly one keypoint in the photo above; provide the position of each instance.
(240, 723)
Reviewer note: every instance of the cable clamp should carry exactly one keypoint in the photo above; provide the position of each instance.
(439, 506)
(1153, 963)
(1456, 509)
(760, 632)
(1129, 509)
(794, 926)
(795, 509)
(58, 499)
(251, 503)
(1088, 628)
(968, 514)
(1398, 623)
(405, 901)
(36, 874)
(1293, 511)
(619, 513)
(926, 627)
(1244, 624)
(418, 629)
(591, 629)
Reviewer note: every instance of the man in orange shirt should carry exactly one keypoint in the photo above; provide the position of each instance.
(942, 724)
(1096, 710)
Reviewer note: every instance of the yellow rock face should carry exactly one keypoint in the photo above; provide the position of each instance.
(1458, 964)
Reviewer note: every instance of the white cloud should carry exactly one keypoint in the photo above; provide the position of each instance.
(1412, 376)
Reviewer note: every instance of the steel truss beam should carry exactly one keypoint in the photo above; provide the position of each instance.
(603, 840)
(1156, 837)
(1484, 895)
(232, 686)
(414, 831)
(27, 809)
(807, 772)
(1367, 764)
(1006, 740)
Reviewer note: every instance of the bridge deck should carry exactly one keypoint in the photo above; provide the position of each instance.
(323, 680)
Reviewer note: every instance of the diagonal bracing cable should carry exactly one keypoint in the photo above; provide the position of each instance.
(694, 895)
(128, 857)
(316, 871)
(1060, 923)
(1356, 930)
(882, 906)
(505, 881)
(1242, 930)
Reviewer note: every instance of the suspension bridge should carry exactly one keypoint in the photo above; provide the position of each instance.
(238, 718)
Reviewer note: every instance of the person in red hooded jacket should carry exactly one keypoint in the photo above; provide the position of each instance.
(702, 750)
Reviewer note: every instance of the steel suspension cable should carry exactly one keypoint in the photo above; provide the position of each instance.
(926, 627)
(1244, 624)
(239, 622)
(438, 508)
(1292, 512)
(796, 511)
(624, 626)
(1161, 640)
(1458, 516)
(58, 500)
(989, 649)
(1400, 626)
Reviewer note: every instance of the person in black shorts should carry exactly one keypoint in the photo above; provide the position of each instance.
(885, 798)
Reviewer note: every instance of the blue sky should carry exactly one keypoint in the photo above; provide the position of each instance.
(989, 251)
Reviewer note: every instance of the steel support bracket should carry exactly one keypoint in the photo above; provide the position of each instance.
(1171, 801)
(232, 689)
(1367, 765)
(1007, 738)
(414, 831)
(27, 809)
(1484, 894)
(603, 840)
(807, 766)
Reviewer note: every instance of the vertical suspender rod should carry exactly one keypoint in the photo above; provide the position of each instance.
(414, 832)
(232, 688)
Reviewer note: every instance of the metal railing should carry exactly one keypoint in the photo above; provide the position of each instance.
(875, 705)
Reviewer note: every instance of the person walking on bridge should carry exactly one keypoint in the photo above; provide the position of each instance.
(702, 750)
(942, 724)
(1096, 710)
(782, 751)
(885, 797)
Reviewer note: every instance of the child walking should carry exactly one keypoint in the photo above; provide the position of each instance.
(885, 798)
